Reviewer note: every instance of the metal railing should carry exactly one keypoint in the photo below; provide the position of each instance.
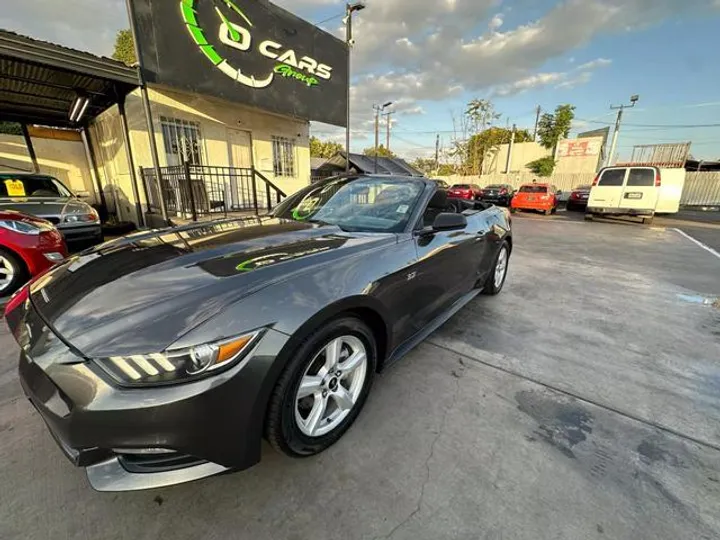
(200, 191)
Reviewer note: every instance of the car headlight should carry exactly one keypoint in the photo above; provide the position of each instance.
(23, 227)
(178, 365)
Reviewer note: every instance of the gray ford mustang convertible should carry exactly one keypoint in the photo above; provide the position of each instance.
(166, 356)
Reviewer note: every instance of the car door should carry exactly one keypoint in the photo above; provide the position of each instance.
(448, 266)
(609, 188)
(639, 191)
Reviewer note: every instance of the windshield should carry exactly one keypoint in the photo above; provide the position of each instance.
(461, 186)
(533, 189)
(355, 204)
(495, 186)
(31, 185)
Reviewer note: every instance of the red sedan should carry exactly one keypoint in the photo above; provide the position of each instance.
(465, 191)
(28, 246)
(542, 197)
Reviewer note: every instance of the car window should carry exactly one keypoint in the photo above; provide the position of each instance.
(533, 189)
(31, 185)
(612, 177)
(355, 204)
(580, 188)
(495, 186)
(461, 186)
(641, 177)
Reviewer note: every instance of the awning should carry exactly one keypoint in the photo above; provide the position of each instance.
(40, 82)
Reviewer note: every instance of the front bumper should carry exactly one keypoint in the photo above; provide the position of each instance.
(81, 233)
(210, 425)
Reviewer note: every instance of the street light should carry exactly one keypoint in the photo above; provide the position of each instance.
(350, 8)
(633, 100)
(378, 111)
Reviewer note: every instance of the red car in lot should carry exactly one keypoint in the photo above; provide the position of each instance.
(579, 198)
(465, 191)
(28, 246)
(540, 197)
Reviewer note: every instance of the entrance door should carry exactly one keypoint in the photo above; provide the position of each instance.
(240, 148)
(608, 191)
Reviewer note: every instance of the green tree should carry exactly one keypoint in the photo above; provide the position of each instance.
(479, 145)
(480, 114)
(556, 126)
(10, 128)
(381, 152)
(426, 165)
(542, 167)
(124, 48)
(324, 149)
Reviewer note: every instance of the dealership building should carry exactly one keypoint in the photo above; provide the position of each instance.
(231, 89)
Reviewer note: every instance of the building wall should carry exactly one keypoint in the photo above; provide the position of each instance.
(524, 153)
(216, 119)
(59, 154)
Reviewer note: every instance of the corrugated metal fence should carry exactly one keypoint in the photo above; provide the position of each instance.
(701, 188)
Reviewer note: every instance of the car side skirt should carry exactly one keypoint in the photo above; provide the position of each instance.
(412, 342)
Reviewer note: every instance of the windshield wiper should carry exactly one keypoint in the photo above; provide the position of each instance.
(321, 222)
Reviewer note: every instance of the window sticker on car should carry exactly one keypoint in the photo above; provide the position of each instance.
(15, 188)
(402, 209)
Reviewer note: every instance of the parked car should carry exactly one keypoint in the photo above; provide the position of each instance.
(46, 197)
(465, 191)
(442, 184)
(500, 194)
(640, 191)
(28, 246)
(541, 197)
(176, 350)
(578, 198)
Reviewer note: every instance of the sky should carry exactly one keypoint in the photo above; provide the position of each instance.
(430, 57)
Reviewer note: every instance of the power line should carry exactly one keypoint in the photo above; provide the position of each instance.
(330, 19)
(660, 126)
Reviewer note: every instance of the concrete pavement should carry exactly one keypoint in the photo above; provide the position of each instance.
(582, 402)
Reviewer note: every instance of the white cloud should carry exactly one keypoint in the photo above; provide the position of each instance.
(599, 62)
(530, 82)
(88, 25)
(497, 21)
(577, 80)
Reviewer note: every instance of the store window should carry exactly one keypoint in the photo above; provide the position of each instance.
(283, 156)
(183, 141)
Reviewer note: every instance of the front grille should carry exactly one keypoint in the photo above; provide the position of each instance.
(154, 463)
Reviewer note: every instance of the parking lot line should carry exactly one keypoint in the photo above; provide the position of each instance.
(697, 242)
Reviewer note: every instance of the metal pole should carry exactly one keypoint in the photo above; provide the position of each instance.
(377, 135)
(510, 150)
(30, 148)
(387, 135)
(131, 161)
(613, 145)
(537, 121)
(437, 154)
(348, 42)
(146, 107)
(90, 151)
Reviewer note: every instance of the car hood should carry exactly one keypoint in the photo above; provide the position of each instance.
(45, 206)
(139, 294)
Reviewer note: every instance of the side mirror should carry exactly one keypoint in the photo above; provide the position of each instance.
(449, 222)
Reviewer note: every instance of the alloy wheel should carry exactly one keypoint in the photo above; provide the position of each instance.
(7, 273)
(501, 267)
(331, 386)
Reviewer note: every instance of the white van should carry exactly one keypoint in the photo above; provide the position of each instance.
(636, 190)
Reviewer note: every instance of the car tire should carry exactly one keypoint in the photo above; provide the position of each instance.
(548, 212)
(492, 285)
(647, 220)
(513, 210)
(286, 429)
(588, 217)
(12, 267)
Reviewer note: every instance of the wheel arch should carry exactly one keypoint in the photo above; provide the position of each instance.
(18, 256)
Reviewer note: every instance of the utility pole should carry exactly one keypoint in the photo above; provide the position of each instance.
(510, 150)
(387, 135)
(349, 41)
(633, 100)
(378, 111)
(537, 121)
(437, 154)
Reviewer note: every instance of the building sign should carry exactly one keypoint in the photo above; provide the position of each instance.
(247, 51)
(579, 147)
